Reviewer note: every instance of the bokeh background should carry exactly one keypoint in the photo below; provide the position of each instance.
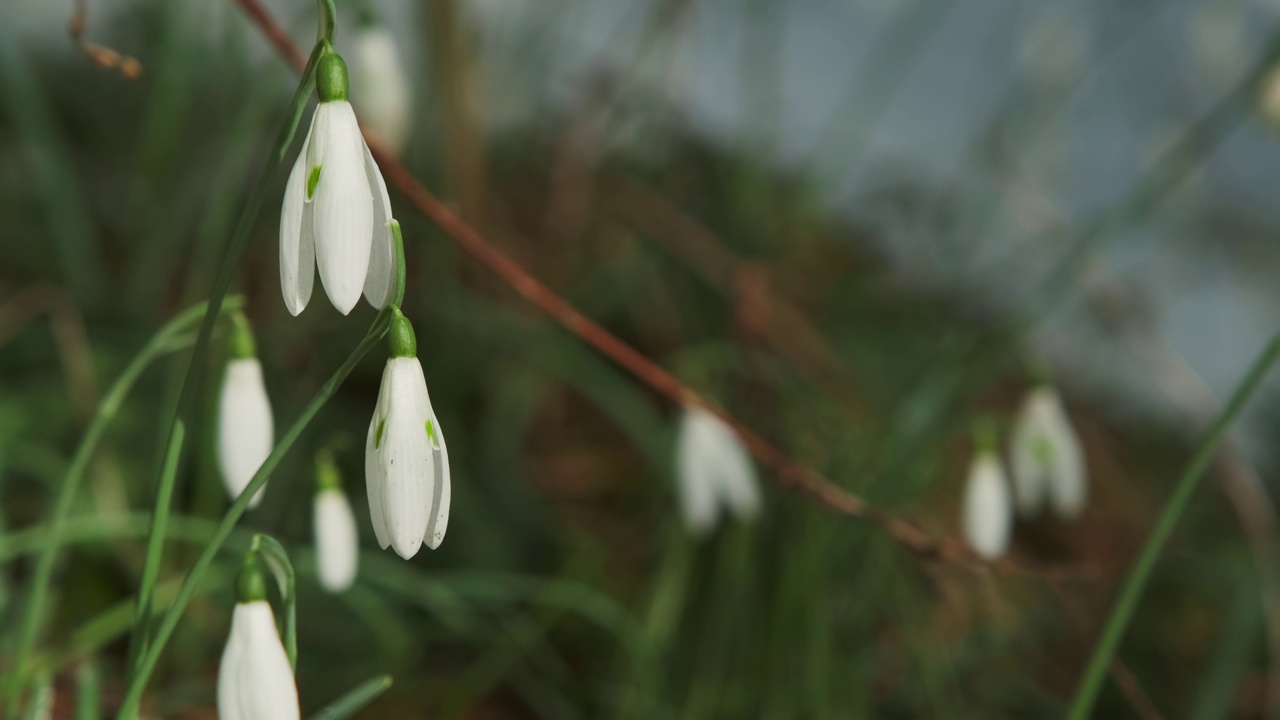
(856, 224)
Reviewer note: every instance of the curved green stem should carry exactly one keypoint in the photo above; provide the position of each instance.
(273, 555)
(167, 340)
(191, 377)
(151, 655)
(398, 240)
(328, 21)
(1091, 683)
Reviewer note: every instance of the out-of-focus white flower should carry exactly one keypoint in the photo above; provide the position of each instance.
(43, 699)
(712, 470)
(246, 431)
(337, 542)
(1045, 457)
(1269, 97)
(336, 213)
(1219, 41)
(381, 90)
(1053, 48)
(255, 681)
(406, 459)
(988, 509)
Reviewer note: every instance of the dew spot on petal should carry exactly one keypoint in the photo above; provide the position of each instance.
(377, 438)
(312, 181)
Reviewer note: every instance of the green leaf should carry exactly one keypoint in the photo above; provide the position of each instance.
(355, 699)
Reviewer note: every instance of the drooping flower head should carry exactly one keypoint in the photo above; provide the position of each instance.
(406, 459)
(988, 507)
(255, 680)
(336, 211)
(713, 470)
(246, 431)
(337, 542)
(381, 89)
(1269, 97)
(1045, 457)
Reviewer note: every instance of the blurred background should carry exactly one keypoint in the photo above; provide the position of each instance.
(855, 224)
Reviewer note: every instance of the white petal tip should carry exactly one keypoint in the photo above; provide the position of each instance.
(407, 550)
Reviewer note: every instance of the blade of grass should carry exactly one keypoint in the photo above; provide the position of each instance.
(70, 226)
(1091, 683)
(1231, 656)
(88, 691)
(355, 700)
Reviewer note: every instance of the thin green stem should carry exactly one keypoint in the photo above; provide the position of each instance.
(169, 621)
(88, 691)
(165, 341)
(398, 240)
(191, 377)
(328, 20)
(150, 571)
(1091, 683)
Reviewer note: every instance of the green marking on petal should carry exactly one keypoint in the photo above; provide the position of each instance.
(312, 181)
(377, 438)
(1043, 451)
(431, 432)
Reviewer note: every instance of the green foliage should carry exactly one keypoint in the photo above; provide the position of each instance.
(566, 587)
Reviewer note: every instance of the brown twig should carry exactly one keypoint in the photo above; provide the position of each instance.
(787, 328)
(100, 55)
(788, 473)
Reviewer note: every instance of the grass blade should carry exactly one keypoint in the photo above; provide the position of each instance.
(351, 703)
(1091, 683)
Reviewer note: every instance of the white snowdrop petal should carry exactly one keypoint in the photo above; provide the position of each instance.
(229, 677)
(246, 432)
(380, 88)
(1067, 482)
(379, 284)
(988, 514)
(297, 245)
(441, 490)
(737, 485)
(405, 456)
(375, 478)
(695, 478)
(1026, 448)
(343, 207)
(255, 681)
(337, 542)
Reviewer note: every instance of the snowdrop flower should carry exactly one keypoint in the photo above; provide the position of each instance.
(255, 681)
(246, 432)
(712, 470)
(1046, 458)
(381, 89)
(406, 462)
(336, 212)
(988, 509)
(1269, 97)
(337, 544)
